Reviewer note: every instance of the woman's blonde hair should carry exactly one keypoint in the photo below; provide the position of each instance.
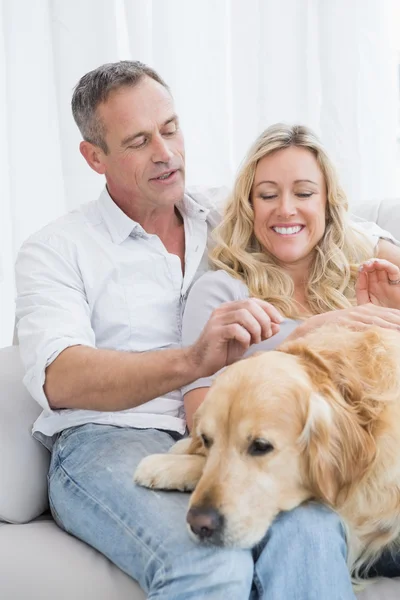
(334, 267)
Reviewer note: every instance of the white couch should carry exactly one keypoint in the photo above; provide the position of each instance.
(38, 561)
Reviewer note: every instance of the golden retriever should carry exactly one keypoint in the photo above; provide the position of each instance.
(317, 419)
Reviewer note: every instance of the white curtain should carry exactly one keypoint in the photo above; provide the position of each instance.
(234, 66)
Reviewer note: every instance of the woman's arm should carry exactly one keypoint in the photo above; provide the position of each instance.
(378, 300)
(193, 400)
(250, 321)
(388, 251)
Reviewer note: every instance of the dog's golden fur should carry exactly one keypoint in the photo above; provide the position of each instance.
(330, 406)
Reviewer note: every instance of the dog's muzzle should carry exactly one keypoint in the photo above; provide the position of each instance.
(206, 523)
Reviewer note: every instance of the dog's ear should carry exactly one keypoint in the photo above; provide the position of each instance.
(319, 369)
(337, 449)
(349, 380)
(358, 370)
(316, 444)
(196, 445)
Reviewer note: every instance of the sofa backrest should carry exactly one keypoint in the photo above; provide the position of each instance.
(386, 213)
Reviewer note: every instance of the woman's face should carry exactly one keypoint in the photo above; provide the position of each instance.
(289, 201)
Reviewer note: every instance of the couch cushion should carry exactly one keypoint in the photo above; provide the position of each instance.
(381, 589)
(39, 560)
(63, 567)
(24, 461)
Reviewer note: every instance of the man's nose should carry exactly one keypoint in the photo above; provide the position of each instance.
(161, 151)
(205, 522)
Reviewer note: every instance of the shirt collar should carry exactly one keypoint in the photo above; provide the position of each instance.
(121, 226)
(189, 207)
(117, 222)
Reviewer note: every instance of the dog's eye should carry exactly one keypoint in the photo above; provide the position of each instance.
(206, 440)
(259, 447)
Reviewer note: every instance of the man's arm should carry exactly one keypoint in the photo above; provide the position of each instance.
(64, 369)
(108, 380)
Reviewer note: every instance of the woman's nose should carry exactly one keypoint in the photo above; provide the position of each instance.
(286, 207)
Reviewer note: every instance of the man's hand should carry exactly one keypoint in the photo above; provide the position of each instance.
(378, 283)
(231, 330)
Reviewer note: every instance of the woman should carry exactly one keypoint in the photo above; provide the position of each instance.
(286, 240)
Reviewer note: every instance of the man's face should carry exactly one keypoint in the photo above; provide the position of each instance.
(146, 156)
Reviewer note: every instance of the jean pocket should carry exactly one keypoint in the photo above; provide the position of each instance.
(66, 442)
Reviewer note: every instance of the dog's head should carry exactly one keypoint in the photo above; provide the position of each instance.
(276, 431)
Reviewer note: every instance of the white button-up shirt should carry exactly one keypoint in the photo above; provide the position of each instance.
(96, 278)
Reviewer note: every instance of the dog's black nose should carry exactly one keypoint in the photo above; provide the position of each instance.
(204, 522)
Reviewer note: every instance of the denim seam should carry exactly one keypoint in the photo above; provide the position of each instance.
(55, 515)
(150, 553)
(258, 584)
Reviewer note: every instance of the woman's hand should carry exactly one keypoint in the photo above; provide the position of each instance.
(356, 317)
(378, 283)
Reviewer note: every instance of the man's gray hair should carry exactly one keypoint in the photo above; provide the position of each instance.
(95, 87)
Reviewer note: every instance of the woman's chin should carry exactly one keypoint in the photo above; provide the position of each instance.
(289, 258)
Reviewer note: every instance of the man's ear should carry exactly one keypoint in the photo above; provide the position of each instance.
(93, 155)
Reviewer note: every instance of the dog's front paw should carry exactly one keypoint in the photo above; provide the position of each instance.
(151, 473)
(181, 447)
(169, 472)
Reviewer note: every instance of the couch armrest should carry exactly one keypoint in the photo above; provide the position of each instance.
(24, 462)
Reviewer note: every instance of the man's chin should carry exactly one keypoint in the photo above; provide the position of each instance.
(171, 195)
(168, 189)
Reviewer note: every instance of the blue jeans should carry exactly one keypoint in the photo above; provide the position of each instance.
(93, 497)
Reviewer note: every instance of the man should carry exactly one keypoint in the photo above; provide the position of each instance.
(100, 298)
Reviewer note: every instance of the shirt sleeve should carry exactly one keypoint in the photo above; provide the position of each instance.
(210, 291)
(51, 309)
(373, 231)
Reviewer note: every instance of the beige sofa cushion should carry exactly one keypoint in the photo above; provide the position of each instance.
(24, 461)
(381, 589)
(39, 560)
